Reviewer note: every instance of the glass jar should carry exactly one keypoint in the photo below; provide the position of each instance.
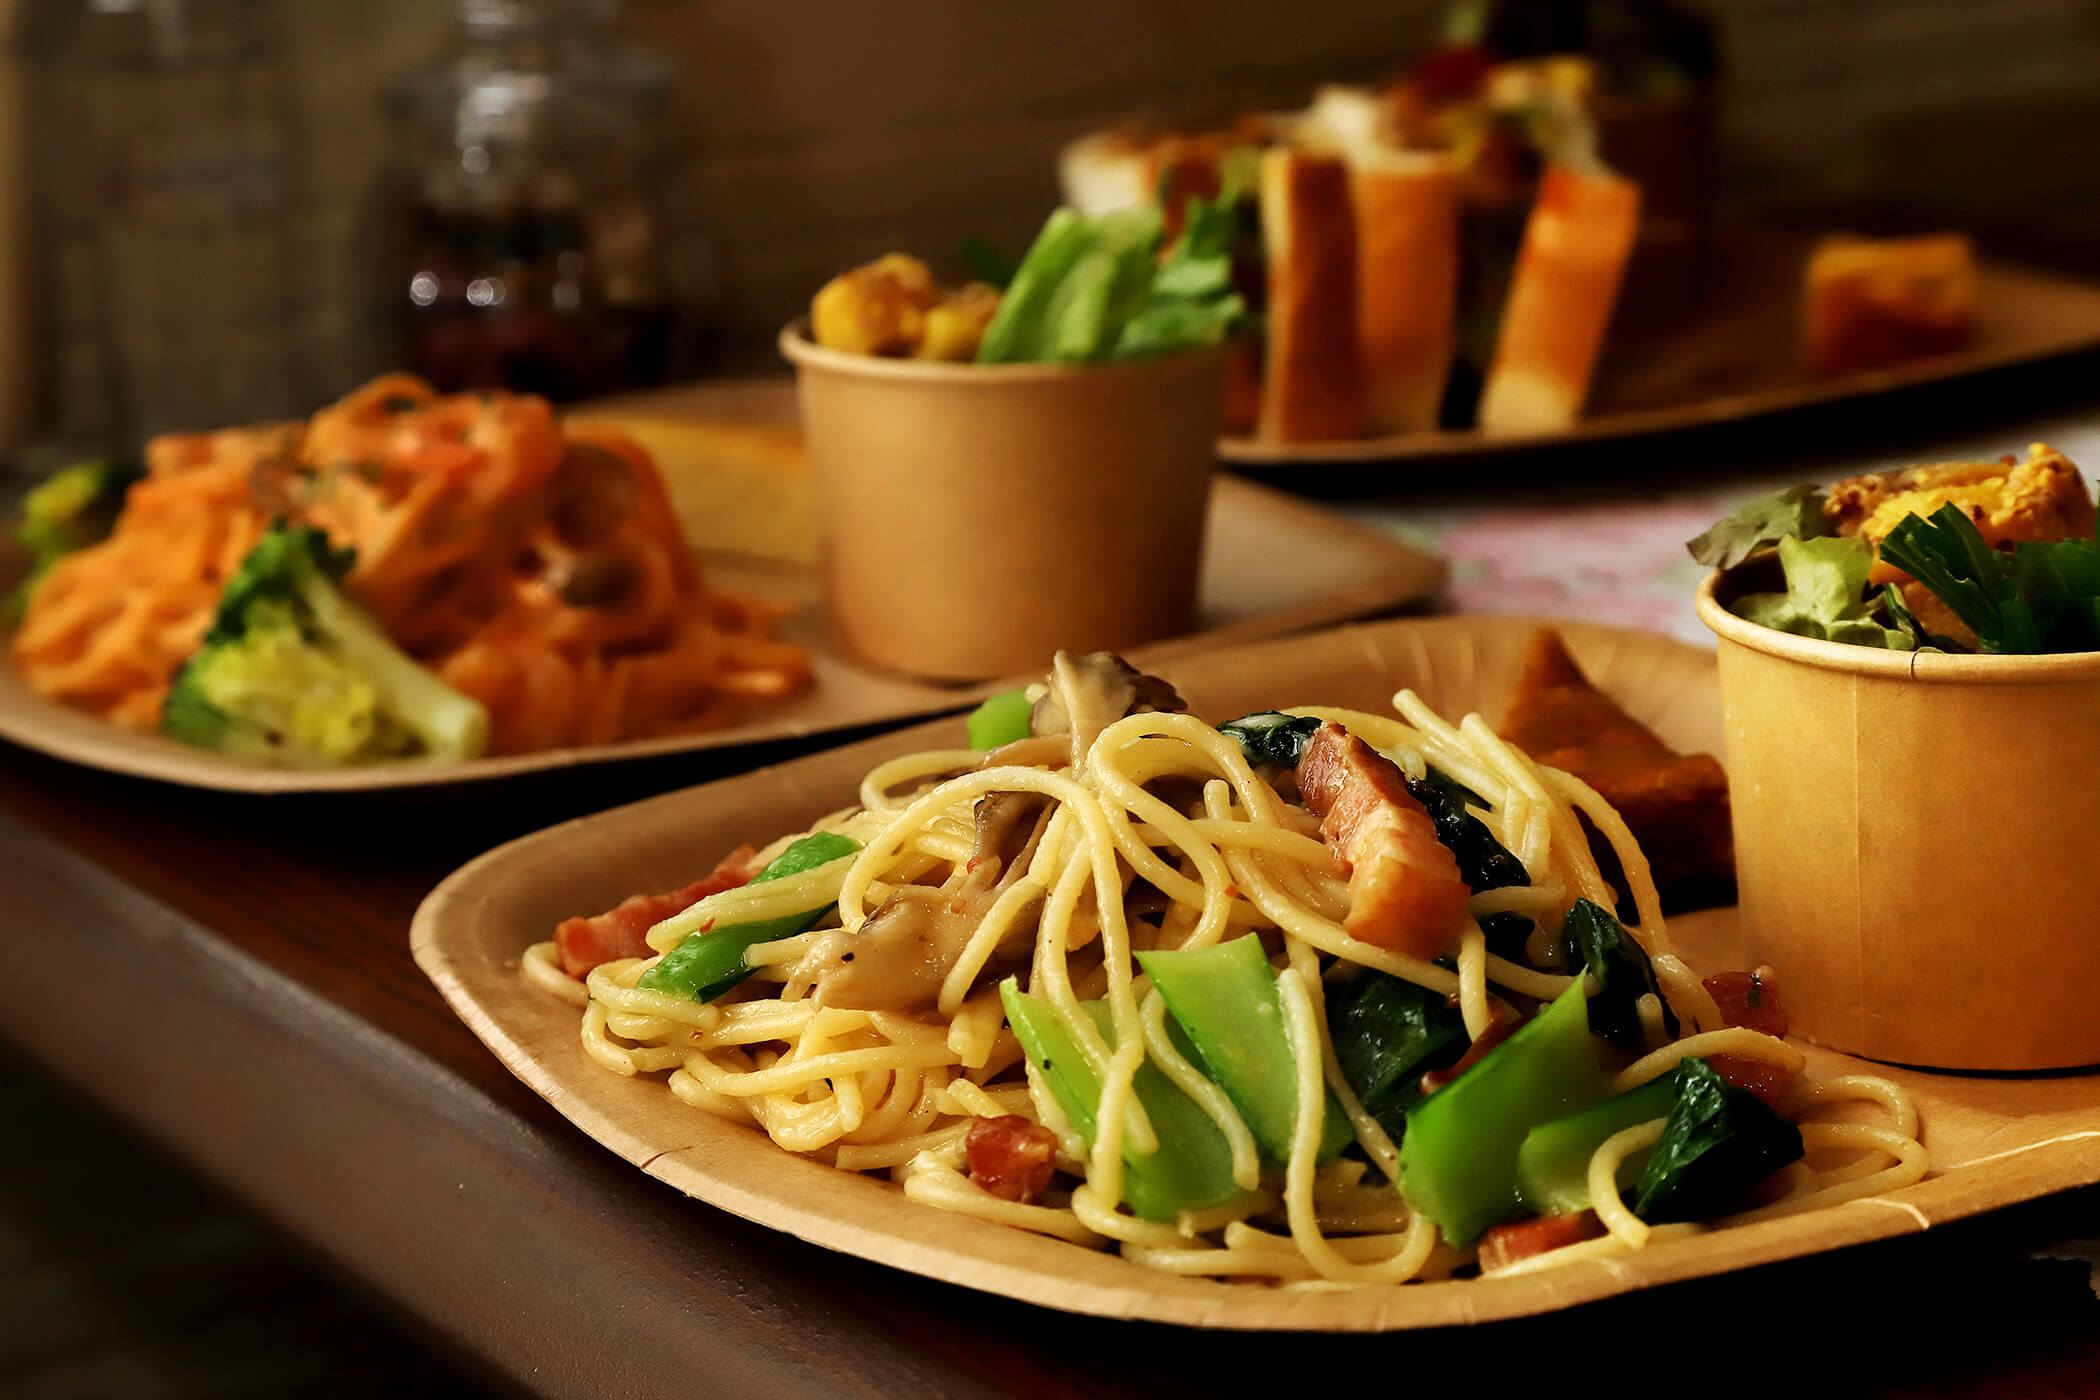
(527, 246)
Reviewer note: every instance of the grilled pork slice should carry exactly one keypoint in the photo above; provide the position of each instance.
(1675, 804)
(1405, 893)
(1575, 248)
(1312, 381)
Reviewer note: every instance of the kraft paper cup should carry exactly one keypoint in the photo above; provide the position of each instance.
(975, 518)
(1917, 843)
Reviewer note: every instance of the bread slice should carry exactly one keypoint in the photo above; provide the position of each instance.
(1576, 243)
(1406, 288)
(1312, 381)
(1406, 207)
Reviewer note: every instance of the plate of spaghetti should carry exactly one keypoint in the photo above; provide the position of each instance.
(403, 586)
(411, 588)
(1324, 1016)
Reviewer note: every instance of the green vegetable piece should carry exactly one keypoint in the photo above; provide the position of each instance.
(1458, 1162)
(1387, 1033)
(1192, 1170)
(1193, 300)
(1553, 1165)
(1794, 513)
(2042, 597)
(71, 509)
(1594, 940)
(1826, 581)
(1907, 623)
(1105, 287)
(1016, 329)
(1001, 719)
(1720, 1142)
(1089, 289)
(705, 965)
(1271, 738)
(1224, 998)
(292, 670)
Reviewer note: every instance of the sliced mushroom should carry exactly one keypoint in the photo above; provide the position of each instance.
(593, 490)
(595, 578)
(1089, 693)
(904, 950)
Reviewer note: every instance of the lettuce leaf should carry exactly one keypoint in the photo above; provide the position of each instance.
(1826, 580)
(1794, 513)
(1093, 289)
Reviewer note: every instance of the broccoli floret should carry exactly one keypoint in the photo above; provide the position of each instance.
(73, 508)
(293, 671)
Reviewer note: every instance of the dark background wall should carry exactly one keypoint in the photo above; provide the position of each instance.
(815, 133)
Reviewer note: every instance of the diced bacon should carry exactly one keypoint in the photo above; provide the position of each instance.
(1503, 1021)
(1761, 1077)
(586, 941)
(1010, 1156)
(1749, 1000)
(1405, 893)
(1505, 1245)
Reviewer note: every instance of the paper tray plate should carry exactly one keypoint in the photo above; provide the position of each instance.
(1993, 1141)
(1272, 565)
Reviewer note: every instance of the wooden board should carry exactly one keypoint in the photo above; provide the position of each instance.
(1742, 358)
(1273, 565)
(1994, 1141)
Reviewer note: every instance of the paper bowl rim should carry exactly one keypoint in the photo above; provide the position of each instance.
(799, 350)
(1928, 666)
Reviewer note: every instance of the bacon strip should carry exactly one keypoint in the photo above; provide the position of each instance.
(585, 941)
(1747, 1000)
(1405, 893)
(1010, 1156)
(1504, 1245)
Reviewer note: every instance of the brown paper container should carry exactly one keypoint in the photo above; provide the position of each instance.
(974, 518)
(1993, 1141)
(1916, 840)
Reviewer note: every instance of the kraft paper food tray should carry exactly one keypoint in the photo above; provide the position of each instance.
(1994, 1141)
(1272, 565)
(1915, 835)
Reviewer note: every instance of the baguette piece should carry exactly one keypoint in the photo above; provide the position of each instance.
(1312, 382)
(1576, 244)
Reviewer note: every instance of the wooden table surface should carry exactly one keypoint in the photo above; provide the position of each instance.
(231, 974)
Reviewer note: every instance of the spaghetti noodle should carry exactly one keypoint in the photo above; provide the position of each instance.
(538, 570)
(1156, 833)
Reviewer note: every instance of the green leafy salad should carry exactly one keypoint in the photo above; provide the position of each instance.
(1100, 288)
(1933, 579)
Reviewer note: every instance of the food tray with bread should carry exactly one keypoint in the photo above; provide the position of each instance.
(1478, 256)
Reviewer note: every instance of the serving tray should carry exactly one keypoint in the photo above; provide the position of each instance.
(1994, 1141)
